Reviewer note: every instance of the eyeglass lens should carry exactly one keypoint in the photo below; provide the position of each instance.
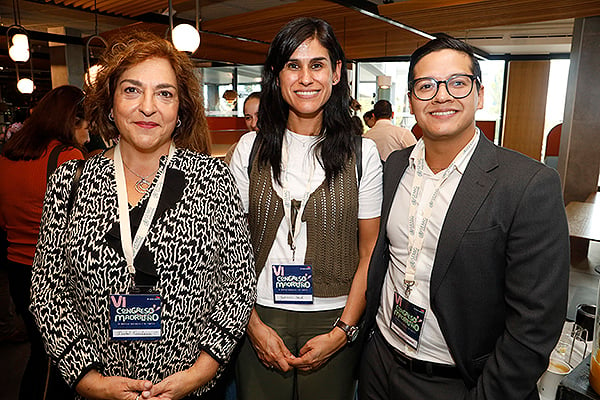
(458, 86)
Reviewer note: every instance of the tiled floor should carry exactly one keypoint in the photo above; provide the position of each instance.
(583, 286)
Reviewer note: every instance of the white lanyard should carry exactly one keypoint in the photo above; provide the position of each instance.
(130, 249)
(416, 235)
(287, 198)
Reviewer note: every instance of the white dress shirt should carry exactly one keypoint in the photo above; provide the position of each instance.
(432, 345)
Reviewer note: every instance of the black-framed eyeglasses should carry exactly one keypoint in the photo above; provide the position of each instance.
(458, 86)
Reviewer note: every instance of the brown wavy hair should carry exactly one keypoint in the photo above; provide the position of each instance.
(126, 52)
(54, 117)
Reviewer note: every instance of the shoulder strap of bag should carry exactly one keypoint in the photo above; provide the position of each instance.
(53, 160)
(75, 185)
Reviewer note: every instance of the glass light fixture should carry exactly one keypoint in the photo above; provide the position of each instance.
(384, 81)
(20, 39)
(186, 38)
(18, 53)
(231, 98)
(92, 72)
(25, 86)
(90, 75)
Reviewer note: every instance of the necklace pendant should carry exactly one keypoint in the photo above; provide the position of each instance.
(142, 186)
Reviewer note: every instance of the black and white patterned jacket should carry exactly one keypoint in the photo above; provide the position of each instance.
(197, 246)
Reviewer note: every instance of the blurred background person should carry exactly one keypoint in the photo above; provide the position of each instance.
(250, 118)
(313, 214)
(387, 136)
(369, 118)
(251, 105)
(155, 236)
(47, 139)
(358, 123)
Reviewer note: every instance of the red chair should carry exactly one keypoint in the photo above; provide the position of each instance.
(553, 141)
(417, 131)
(553, 146)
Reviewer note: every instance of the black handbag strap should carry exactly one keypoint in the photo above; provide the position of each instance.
(53, 160)
(75, 185)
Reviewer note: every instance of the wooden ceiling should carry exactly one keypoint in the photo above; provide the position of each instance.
(361, 36)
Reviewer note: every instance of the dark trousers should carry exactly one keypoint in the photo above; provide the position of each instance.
(38, 382)
(382, 377)
(335, 380)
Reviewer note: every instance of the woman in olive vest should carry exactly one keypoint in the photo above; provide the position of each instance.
(312, 189)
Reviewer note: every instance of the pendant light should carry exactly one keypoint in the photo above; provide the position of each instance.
(18, 43)
(184, 36)
(92, 70)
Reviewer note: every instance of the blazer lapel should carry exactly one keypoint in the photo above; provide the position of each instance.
(393, 172)
(472, 190)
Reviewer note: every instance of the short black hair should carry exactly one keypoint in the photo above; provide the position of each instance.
(443, 43)
(382, 109)
(369, 114)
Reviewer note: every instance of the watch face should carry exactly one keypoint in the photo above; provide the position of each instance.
(352, 334)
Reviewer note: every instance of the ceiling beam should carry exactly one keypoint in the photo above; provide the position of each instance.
(370, 9)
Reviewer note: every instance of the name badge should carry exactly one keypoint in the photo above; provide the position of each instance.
(407, 320)
(292, 284)
(135, 317)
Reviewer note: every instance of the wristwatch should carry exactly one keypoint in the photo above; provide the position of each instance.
(350, 331)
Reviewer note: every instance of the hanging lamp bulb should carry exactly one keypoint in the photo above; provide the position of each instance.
(25, 86)
(186, 38)
(18, 53)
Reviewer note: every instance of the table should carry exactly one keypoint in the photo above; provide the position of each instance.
(584, 225)
(576, 385)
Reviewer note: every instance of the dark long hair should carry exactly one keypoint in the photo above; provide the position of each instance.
(55, 117)
(337, 132)
(126, 52)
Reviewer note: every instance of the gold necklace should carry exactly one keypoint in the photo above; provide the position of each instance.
(143, 184)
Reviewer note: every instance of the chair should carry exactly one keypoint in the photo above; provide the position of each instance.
(553, 146)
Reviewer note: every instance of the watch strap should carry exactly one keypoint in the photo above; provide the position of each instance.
(350, 331)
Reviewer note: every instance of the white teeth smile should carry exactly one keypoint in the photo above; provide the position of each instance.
(443, 113)
(307, 93)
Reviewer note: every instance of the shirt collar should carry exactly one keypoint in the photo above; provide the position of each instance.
(460, 163)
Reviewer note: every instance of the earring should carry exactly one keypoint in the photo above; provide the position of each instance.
(111, 118)
(178, 123)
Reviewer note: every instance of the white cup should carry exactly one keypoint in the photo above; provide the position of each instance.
(550, 379)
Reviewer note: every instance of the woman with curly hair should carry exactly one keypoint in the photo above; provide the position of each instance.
(143, 287)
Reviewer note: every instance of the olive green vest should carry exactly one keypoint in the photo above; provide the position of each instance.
(331, 217)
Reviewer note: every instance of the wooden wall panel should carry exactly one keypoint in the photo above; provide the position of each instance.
(526, 107)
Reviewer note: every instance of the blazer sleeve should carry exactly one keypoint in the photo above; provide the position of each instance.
(536, 291)
(53, 296)
(234, 297)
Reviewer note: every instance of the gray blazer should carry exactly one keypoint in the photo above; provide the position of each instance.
(500, 278)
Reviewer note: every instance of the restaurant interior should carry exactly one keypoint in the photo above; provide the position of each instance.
(540, 61)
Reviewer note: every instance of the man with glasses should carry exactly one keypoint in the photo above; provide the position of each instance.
(467, 287)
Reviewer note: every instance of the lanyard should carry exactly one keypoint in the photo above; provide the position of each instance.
(294, 227)
(130, 249)
(416, 235)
